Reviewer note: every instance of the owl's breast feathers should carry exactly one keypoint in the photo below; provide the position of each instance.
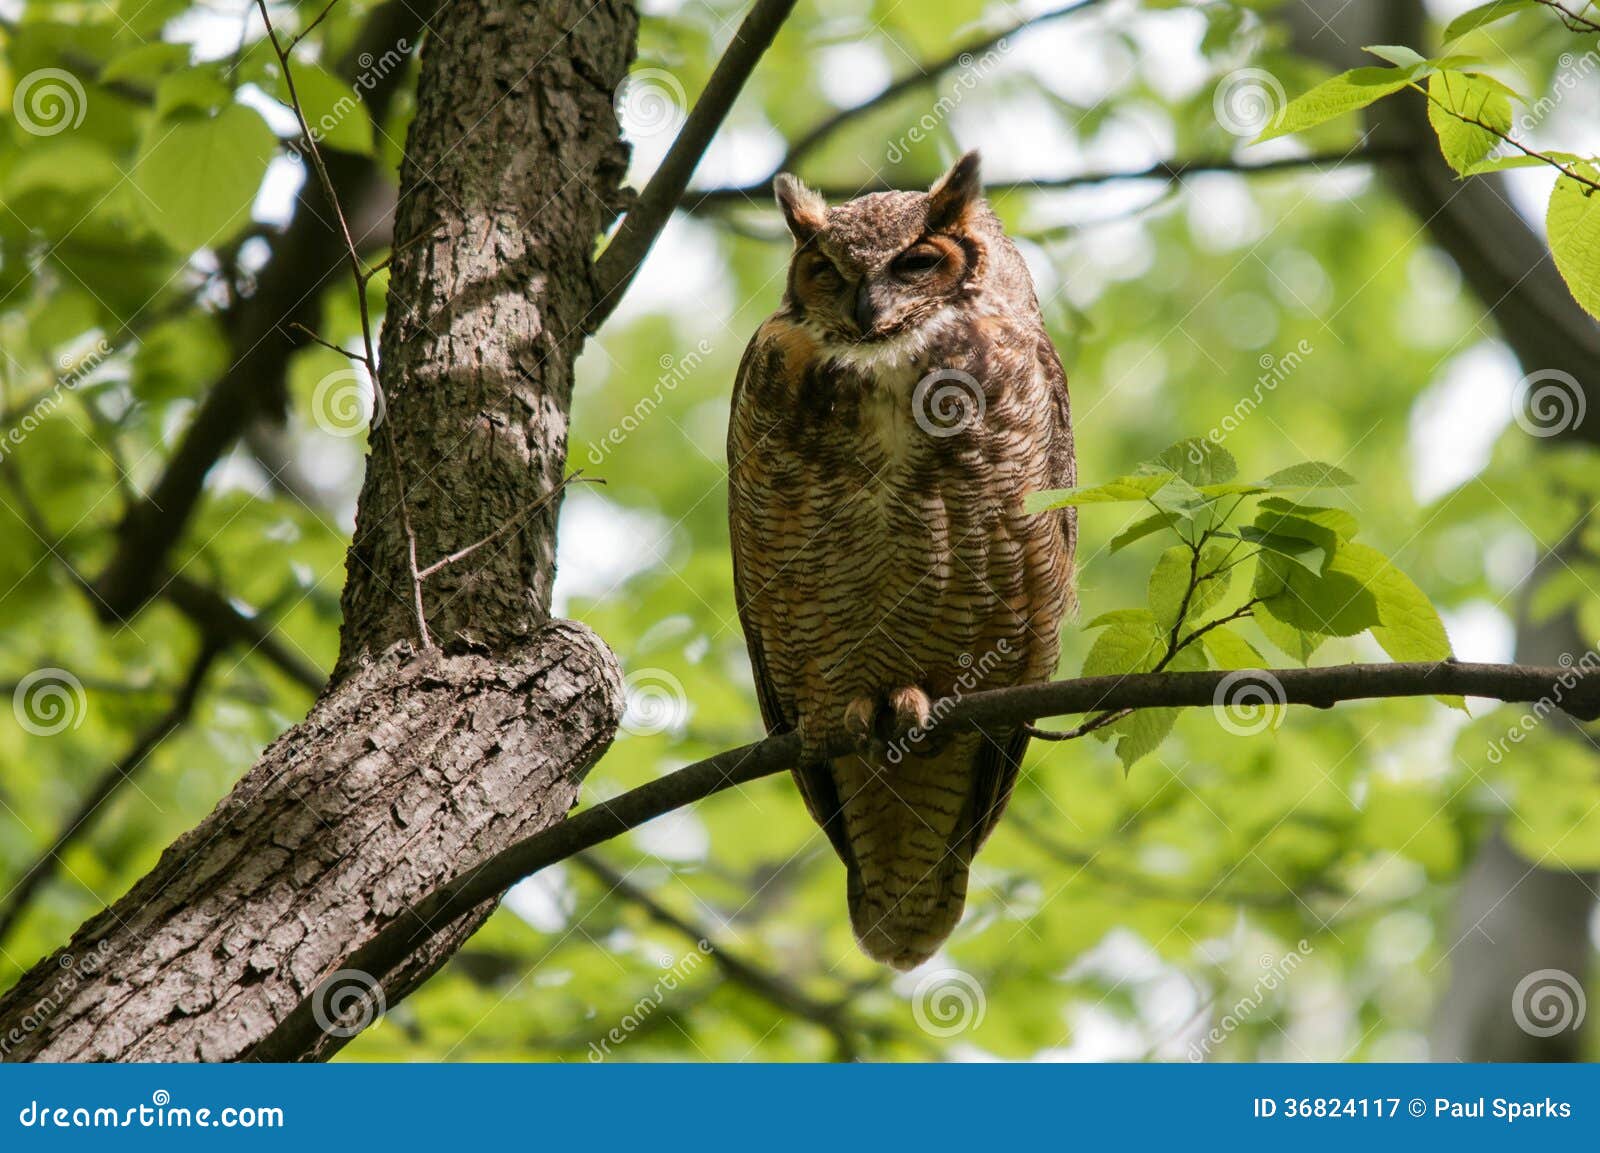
(879, 543)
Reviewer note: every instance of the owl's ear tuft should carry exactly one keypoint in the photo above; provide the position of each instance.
(953, 193)
(804, 209)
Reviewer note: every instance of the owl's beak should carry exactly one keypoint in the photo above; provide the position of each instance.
(866, 314)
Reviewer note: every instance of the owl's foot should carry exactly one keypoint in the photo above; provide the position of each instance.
(891, 726)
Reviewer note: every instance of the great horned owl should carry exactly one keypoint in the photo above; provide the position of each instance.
(887, 422)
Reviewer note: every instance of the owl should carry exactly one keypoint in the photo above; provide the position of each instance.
(887, 422)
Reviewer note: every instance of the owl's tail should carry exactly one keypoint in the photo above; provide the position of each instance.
(912, 828)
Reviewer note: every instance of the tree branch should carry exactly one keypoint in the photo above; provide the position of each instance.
(1572, 690)
(833, 1017)
(1169, 171)
(120, 770)
(615, 268)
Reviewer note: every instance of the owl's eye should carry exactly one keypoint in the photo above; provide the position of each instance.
(820, 270)
(918, 260)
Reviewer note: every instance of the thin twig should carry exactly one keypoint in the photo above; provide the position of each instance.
(503, 530)
(615, 268)
(342, 351)
(369, 355)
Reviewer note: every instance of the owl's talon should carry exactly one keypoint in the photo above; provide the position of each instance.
(859, 716)
(910, 709)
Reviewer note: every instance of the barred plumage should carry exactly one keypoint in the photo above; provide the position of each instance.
(887, 422)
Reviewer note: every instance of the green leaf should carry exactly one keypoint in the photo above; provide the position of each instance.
(332, 108)
(1169, 583)
(191, 90)
(1308, 554)
(1310, 474)
(1180, 498)
(1298, 644)
(146, 63)
(1197, 460)
(1335, 603)
(1397, 54)
(199, 177)
(1411, 629)
(1141, 732)
(1140, 529)
(1229, 650)
(1573, 224)
(1452, 95)
(1138, 488)
(1475, 18)
(1130, 644)
(1120, 616)
(1336, 520)
(1347, 92)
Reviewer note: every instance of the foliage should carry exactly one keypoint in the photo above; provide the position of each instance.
(1295, 314)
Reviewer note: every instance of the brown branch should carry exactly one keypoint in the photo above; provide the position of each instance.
(1165, 170)
(926, 74)
(107, 784)
(833, 1017)
(1575, 692)
(615, 268)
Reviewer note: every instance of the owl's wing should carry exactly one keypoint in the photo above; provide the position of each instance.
(999, 759)
(815, 781)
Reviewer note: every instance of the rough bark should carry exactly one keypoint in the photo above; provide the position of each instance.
(1512, 918)
(412, 767)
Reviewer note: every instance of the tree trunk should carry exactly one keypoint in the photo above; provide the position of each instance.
(413, 766)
